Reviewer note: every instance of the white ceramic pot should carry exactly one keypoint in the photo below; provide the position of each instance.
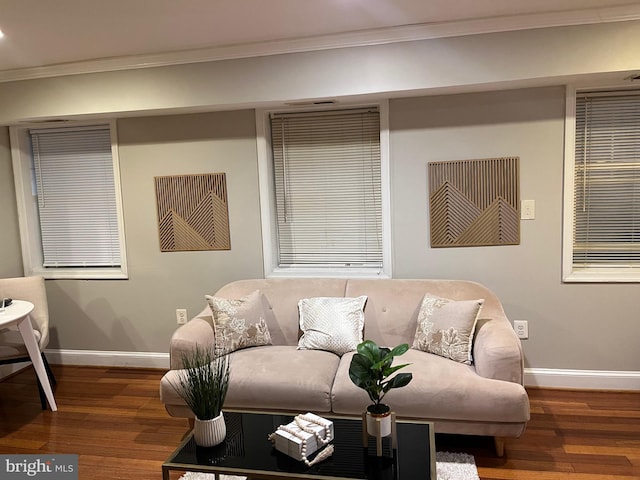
(209, 433)
(379, 425)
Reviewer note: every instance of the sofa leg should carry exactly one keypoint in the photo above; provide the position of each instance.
(499, 443)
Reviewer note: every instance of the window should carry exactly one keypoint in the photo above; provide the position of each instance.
(67, 184)
(323, 182)
(602, 238)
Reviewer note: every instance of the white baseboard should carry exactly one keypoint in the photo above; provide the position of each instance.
(582, 379)
(534, 377)
(108, 358)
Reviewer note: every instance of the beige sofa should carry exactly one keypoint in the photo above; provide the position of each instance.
(484, 398)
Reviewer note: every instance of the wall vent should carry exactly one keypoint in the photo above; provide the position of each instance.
(308, 103)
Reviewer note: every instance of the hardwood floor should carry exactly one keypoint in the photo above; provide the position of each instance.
(113, 418)
(581, 435)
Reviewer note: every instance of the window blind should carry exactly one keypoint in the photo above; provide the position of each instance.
(77, 210)
(328, 188)
(607, 182)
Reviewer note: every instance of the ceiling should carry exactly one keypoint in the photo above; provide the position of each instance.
(44, 37)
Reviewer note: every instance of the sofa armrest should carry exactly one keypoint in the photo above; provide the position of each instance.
(195, 332)
(497, 352)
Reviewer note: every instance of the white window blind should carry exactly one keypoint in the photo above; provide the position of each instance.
(607, 182)
(77, 210)
(328, 188)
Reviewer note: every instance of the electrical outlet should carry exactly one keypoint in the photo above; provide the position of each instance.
(528, 210)
(522, 328)
(181, 315)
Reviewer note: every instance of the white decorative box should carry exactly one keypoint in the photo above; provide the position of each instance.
(292, 444)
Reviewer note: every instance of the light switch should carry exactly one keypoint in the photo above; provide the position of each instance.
(528, 210)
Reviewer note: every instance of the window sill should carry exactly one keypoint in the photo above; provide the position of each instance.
(301, 272)
(593, 275)
(81, 274)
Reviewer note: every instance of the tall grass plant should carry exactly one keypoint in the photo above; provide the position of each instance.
(203, 382)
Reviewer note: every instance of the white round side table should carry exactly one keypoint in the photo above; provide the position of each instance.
(18, 314)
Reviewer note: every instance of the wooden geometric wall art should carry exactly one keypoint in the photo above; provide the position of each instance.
(192, 212)
(474, 202)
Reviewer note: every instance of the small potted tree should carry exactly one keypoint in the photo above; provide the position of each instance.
(203, 385)
(371, 369)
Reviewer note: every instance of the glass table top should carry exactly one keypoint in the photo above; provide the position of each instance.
(246, 451)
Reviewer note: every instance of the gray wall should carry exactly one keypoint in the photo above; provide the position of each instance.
(138, 314)
(571, 326)
(10, 254)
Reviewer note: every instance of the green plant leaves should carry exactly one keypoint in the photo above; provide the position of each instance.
(400, 380)
(400, 350)
(359, 370)
(388, 371)
(370, 350)
(371, 368)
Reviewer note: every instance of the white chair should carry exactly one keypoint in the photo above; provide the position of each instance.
(12, 348)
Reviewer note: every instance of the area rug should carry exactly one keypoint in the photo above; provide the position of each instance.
(449, 466)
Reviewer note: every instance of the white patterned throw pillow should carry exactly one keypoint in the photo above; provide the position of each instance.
(446, 327)
(239, 323)
(334, 324)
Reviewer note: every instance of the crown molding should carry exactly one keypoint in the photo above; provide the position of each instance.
(406, 33)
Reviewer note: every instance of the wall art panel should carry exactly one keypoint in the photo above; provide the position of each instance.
(192, 212)
(474, 202)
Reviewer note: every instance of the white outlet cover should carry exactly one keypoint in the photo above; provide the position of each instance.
(528, 210)
(181, 316)
(522, 328)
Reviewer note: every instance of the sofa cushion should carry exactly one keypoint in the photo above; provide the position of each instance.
(239, 323)
(282, 295)
(282, 378)
(440, 390)
(331, 323)
(445, 327)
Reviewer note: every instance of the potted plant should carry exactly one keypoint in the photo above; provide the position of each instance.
(203, 385)
(371, 369)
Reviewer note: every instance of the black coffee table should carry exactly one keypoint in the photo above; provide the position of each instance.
(247, 452)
